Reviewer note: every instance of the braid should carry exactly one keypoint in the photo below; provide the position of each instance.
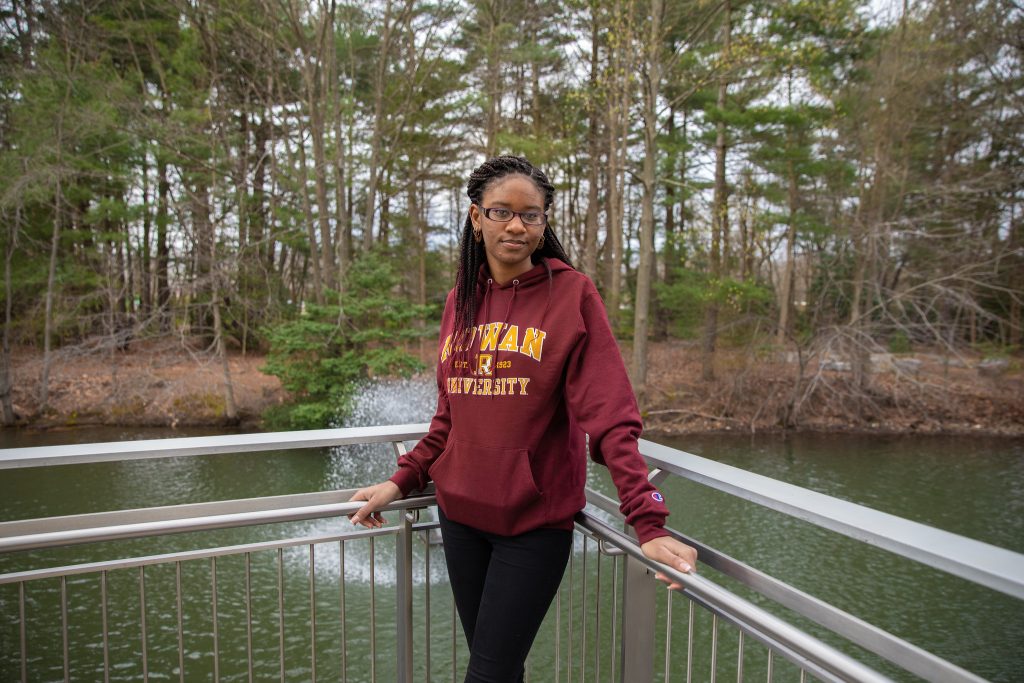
(471, 253)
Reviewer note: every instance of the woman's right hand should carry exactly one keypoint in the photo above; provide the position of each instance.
(376, 497)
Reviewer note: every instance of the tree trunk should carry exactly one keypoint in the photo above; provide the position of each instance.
(1016, 324)
(786, 286)
(343, 224)
(652, 80)
(670, 257)
(145, 283)
(230, 410)
(618, 134)
(258, 210)
(51, 279)
(163, 290)
(307, 209)
(719, 218)
(376, 141)
(6, 406)
(51, 285)
(593, 147)
(493, 85)
(316, 104)
(417, 236)
(613, 248)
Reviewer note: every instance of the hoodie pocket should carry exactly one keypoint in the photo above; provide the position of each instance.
(487, 487)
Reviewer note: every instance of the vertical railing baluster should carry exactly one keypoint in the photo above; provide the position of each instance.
(803, 676)
(615, 612)
(22, 632)
(181, 630)
(403, 587)
(572, 618)
(426, 599)
(454, 660)
(373, 613)
(689, 646)
(403, 598)
(583, 607)
(558, 634)
(597, 620)
(105, 626)
(771, 665)
(280, 613)
(668, 635)
(739, 660)
(216, 619)
(341, 606)
(64, 627)
(142, 611)
(248, 617)
(714, 647)
(312, 611)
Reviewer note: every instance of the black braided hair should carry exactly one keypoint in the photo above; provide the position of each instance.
(471, 252)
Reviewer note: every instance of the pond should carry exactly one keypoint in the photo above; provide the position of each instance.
(969, 486)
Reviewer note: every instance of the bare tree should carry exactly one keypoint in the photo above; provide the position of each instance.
(650, 86)
(719, 210)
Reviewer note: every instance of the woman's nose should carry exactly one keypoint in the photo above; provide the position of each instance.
(516, 224)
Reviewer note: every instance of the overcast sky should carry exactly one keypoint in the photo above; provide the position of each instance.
(884, 11)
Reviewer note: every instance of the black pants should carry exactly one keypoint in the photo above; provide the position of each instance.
(503, 586)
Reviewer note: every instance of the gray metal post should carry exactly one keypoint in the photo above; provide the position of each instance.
(403, 580)
(639, 593)
(403, 597)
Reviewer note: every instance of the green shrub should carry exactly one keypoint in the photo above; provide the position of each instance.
(899, 342)
(322, 356)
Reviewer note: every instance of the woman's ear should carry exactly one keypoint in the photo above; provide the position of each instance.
(474, 216)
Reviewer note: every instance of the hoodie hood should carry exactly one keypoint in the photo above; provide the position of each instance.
(542, 271)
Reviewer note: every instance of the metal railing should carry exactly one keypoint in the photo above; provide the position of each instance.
(598, 627)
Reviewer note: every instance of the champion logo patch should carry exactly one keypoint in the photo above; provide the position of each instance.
(658, 497)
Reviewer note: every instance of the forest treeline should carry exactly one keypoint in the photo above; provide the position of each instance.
(832, 177)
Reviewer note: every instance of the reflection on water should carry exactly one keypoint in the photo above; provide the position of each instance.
(973, 487)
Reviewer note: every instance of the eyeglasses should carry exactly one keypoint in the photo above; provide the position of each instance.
(501, 215)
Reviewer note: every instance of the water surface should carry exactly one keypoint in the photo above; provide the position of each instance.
(969, 486)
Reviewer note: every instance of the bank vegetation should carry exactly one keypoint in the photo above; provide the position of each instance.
(808, 201)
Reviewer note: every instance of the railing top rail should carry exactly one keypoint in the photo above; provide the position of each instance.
(74, 454)
(205, 522)
(982, 563)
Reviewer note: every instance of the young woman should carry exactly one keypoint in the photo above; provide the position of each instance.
(527, 366)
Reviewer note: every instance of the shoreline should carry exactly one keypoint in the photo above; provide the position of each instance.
(252, 424)
(168, 386)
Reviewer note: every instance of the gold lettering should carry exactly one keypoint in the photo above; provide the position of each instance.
(489, 336)
(533, 343)
(523, 381)
(511, 340)
(446, 349)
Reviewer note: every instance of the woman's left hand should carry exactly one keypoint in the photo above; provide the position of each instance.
(675, 554)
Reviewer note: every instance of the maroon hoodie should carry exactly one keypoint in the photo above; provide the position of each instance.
(516, 394)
